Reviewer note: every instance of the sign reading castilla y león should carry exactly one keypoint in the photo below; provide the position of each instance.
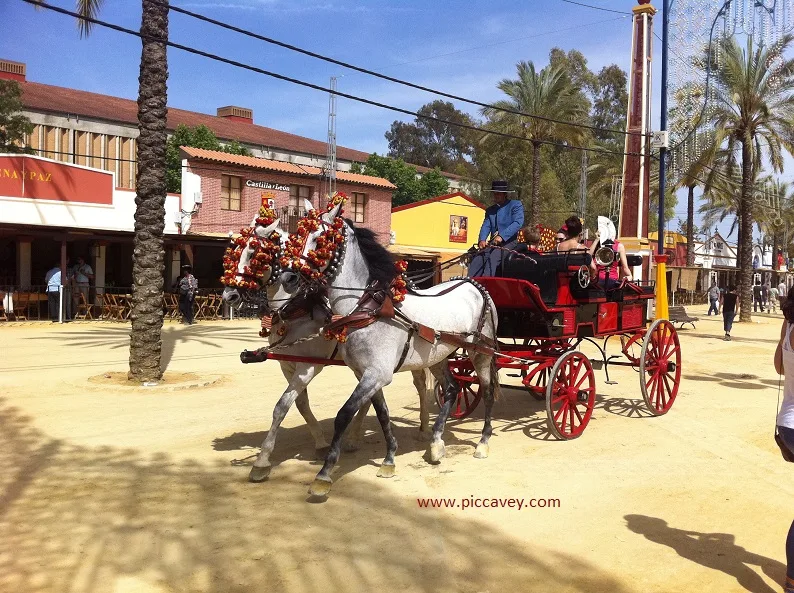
(266, 185)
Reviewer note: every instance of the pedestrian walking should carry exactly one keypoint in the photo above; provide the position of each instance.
(714, 298)
(757, 297)
(729, 311)
(765, 294)
(784, 365)
(782, 290)
(187, 286)
(774, 299)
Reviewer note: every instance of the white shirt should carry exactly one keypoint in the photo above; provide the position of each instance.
(81, 273)
(786, 415)
(781, 289)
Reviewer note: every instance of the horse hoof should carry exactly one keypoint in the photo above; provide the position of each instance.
(482, 450)
(321, 452)
(437, 452)
(320, 487)
(386, 471)
(259, 474)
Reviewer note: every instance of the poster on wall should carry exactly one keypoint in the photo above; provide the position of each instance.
(458, 226)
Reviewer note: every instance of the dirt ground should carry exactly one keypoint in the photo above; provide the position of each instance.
(106, 488)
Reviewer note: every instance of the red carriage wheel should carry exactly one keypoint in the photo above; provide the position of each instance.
(469, 393)
(570, 395)
(660, 367)
(536, 379)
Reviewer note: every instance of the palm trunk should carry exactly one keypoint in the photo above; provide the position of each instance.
(746, 246)
(148, 254)
(534, 210)
(690, 227)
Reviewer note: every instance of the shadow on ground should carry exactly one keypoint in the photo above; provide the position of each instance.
(87, 520)
(717, 551)
(117, 337)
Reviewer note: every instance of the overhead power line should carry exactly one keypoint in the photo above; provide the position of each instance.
(595, 7)
(369, 72)
(244, 66)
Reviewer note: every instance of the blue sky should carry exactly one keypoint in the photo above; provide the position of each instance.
(464, 48)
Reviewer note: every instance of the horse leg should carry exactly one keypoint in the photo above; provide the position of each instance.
(485, 367)
(320, 444)
(302, 403)
(381, 409)
(444, 376)
(369, 384)
(422, 379)
(356, 434)
(303, 375)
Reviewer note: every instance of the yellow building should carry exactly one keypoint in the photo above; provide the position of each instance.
(437, 229)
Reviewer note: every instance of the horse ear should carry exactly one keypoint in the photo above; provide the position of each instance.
(328, 217)
(307, 205)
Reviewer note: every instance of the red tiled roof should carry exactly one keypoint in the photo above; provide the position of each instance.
(281, 167)
(44, 97)
(457, 194)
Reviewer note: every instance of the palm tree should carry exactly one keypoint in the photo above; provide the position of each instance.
(547, 93)
(752, 112)
(148, 259)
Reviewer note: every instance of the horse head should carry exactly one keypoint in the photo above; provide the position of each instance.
(313, 254)
(251, 262)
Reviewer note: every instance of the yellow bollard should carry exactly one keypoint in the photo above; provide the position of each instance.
(662, 311)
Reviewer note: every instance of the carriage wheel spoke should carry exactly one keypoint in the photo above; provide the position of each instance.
(562, 408)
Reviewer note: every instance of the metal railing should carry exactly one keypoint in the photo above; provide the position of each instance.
(290, 215)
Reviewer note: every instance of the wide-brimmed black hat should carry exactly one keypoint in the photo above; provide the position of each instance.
(500, 186)
(187, 267)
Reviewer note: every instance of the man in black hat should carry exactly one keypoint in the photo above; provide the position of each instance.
(500, 229)
(187, 287)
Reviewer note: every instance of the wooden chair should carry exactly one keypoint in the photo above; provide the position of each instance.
(217, 303)
(201, 307)
(171, 306)
(3, 316)
(21, 303)
(83, 309)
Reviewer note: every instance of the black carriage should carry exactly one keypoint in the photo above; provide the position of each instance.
(547, 306)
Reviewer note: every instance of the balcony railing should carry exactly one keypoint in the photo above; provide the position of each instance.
(290, 215)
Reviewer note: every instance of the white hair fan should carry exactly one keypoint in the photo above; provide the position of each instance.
(605, 256)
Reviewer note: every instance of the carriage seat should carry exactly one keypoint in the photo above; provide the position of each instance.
(543, 271)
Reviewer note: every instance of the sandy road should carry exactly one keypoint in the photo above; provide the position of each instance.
(106, 488)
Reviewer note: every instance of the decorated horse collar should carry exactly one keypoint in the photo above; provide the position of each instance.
(266, 251)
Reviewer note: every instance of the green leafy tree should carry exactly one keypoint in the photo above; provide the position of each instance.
(13, 125)
(610, 101)
(549, 93)
(197, 137)
(434, 144)
(411, 187)
(752, 114)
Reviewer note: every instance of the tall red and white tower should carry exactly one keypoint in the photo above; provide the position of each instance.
(635, 202)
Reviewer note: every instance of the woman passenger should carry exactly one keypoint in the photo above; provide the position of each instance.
(570, 231)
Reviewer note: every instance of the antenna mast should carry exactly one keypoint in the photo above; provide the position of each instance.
(330, 161)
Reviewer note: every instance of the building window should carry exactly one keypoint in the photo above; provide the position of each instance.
(718, 246)
(231, 190)
(359, 207)
(298, 193)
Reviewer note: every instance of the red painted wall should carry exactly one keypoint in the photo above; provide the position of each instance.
(210, 217)
(26, 177)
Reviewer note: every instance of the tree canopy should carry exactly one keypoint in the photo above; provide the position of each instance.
(197, 137)
(411, 187)
(13, 125)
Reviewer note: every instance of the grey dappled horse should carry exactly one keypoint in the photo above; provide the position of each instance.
(300, 374)
(374, 352)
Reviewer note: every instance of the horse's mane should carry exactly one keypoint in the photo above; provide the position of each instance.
(379, 261)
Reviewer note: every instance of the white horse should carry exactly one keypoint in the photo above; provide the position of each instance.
(377, 351)
(270, 238)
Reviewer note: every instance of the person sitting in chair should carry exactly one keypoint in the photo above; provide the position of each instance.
(532, 240)
(499, 230)
(571, 231)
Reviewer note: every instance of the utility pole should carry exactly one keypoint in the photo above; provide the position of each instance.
(583, 186)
